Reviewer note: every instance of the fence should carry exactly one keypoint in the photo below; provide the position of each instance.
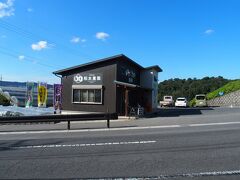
(231, 99)
(60, 118)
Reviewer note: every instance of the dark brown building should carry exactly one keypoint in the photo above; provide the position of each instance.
(113, 84)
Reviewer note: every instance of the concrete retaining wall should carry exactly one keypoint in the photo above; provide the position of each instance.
(228, 100)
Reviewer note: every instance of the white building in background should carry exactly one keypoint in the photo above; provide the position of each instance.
(20, 93)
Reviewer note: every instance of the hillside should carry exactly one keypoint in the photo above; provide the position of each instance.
(228, 88)
(190, 87)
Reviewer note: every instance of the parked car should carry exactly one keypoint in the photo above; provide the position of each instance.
(181, 102)
(167, 101)
(200, 100)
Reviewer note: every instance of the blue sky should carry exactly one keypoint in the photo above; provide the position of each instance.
(187, 38)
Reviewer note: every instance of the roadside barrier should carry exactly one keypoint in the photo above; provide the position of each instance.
(60, 118)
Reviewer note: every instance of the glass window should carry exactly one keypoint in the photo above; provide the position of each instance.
(200, 97)
(84, 95)
(76, 95)
(91, 95)
(87, 96)
(98, 95)
(181, 99)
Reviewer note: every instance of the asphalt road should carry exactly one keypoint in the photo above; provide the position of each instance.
(205, 146)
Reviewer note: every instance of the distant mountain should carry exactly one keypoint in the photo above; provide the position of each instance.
(19, 84)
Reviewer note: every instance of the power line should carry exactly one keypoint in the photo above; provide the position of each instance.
(31, 36)
(18, 30)
(25, 59)
(29, 57)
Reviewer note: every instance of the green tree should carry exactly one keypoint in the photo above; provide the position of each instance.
(189, 87)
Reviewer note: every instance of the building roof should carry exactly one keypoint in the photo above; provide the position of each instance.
(104, 60)
(155, 67)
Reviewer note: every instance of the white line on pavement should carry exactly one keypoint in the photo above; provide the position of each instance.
(201, 174)
(189, 175)
(83, 145)
(213, 124)
(118, 129)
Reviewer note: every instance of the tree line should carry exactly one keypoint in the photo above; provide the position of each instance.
(189, 87)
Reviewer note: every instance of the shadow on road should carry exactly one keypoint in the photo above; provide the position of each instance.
(174, 112)
(13, 145)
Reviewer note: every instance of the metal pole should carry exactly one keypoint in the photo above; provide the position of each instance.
(68, 126)
(126, 101)
(108, 120)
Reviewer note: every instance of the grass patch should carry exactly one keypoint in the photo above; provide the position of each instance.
(228, 88)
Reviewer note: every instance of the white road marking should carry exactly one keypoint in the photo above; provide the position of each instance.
(119, 129)
(201, 174)
(214, 173)
(189, 175)
(213, 124)
(82, 145)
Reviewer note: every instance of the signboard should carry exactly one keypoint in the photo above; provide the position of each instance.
(57, 97)
(128, 74)
(221, 93)
(88, 78)
(29, 94)
(42, 94)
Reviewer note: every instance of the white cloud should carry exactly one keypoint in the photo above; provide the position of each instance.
(40, 45)
(209, 31)
(102, 35)
(21, 57)
(29, 9)
(77, 40)
(6, 8)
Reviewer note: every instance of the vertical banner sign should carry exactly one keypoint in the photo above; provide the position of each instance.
(29, 94)
(57, 98)
(42, 94)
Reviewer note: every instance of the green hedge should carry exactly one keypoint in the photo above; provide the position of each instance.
(228, 88)
(192, 103)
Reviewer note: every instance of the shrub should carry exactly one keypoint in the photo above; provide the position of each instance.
(192, 103)
(4, 101)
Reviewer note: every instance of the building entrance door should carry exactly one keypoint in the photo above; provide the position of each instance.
(126, 98)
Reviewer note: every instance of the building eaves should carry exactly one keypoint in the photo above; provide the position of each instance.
(62, 71)
(156, 67)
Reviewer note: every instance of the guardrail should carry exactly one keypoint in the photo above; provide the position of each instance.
(60, 118)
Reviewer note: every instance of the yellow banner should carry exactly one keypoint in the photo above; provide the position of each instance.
(42, 96)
